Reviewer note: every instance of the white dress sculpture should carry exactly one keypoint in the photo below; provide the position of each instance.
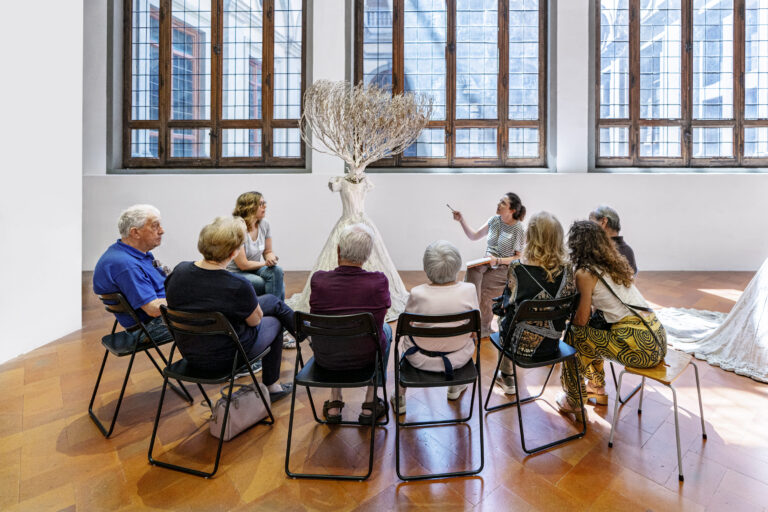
(360, 125)
(736, 342)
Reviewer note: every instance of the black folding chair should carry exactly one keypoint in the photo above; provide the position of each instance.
(409, 377)
(204, 324)
(337, 330)
(127, 343)
(555, 310)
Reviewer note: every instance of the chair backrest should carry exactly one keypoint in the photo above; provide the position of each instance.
(557, 311)
(197, 323)
(466, 322)
(116, 303)
(331, 333)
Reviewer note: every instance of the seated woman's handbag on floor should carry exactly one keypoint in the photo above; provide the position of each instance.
(245, 410)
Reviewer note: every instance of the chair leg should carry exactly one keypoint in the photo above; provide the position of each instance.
(615, 409)
(205, 396)
(642, 391)
(185, 469)
(677, 436)
(490, 389)
(183, 393)
(105, 432)
(618, 395)
(701, 407)
(290, 432)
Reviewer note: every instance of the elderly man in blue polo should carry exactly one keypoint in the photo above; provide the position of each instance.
(129, 267)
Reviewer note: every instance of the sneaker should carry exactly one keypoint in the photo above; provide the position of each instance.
(401, 410)
(289, 341)
(285, 390)
(454, 392)
(506, 383)
(256, 367)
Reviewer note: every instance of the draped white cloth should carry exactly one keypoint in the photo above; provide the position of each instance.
(353, 212)
(736, 342)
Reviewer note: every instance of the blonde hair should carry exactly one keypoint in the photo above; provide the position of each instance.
(544, 244)
(246, 206)
(219, 239)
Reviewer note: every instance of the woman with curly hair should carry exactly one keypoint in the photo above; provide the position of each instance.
(265, 276)
(542, 273)
(633, 337)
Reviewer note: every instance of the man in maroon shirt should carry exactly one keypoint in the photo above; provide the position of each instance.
(349, 289)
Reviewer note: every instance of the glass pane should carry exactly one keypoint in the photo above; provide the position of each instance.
(190, 143)
(756, 60)
(523, 143)
(713, 142)
(713, 59)
(241, 143)
(145, 59)
(424, 50)
(377, 42)
(756, 142)
(287, 87)
(191, 66)
(242, 60)
(477, 59)
(524, 59)
(144, 143)
(476, 143)
(660, 141)
(430, 144)
(614, 59)
(286, 143)
(614, 141)
(660, 59)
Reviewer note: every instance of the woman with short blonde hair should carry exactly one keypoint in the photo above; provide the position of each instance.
(206, 285)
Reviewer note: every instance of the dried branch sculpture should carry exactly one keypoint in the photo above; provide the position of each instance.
(360, 125)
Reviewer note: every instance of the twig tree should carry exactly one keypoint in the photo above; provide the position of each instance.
(361, 124)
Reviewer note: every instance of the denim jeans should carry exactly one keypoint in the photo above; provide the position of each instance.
(157, 329)
(265, 280)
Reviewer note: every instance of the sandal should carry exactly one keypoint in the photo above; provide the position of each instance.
(601, 398)
(565, 407)
(333, 404)
(377, 408)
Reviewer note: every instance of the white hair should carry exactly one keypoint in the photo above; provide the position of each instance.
(135, 217)
(610, 215)
(356, 243)
(442, 262)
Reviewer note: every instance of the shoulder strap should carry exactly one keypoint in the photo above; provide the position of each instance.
(632, 309)
(535, 280)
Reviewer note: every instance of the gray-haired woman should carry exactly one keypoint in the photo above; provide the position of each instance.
(441, 296)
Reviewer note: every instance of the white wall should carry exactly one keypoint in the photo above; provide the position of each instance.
(41, 196)
(687, 221)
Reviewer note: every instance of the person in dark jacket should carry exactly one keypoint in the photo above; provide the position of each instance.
(608, 219)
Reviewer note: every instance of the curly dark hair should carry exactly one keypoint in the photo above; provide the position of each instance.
(592, 250)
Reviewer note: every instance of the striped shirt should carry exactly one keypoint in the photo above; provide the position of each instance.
(503, 239)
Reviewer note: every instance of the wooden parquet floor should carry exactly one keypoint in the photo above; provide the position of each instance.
(52, 457)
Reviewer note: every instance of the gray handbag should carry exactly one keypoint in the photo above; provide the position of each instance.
(245, 410)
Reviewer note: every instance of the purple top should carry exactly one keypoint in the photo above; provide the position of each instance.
(344, 291)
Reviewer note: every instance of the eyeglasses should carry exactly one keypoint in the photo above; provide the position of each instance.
(262, 203)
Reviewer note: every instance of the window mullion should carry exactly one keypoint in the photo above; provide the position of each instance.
(217, 45)
(686, 80)
(164, 89)
(634, 78)
(450, 82)
(268, 63)
(739, 43)
(503, 82)
(398, 55)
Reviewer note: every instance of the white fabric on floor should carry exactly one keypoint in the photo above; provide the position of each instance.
(736, 342)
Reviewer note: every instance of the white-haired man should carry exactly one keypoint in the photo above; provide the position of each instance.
(608, 218)
(349, 289)
(129, 267)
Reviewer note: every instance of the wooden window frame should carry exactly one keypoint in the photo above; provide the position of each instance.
(451, 124)
(164, 124)
(686, 123)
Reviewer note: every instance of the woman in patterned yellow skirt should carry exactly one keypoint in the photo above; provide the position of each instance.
(614, 331)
